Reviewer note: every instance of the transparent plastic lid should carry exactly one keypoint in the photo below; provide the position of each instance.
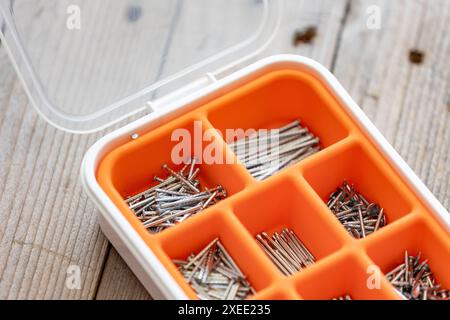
(87, 64)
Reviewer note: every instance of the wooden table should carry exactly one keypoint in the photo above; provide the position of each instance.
(48, 223)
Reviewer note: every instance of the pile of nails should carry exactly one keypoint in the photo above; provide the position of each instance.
(173, 199)
(415, 281)
(356, 214)
(286, 251)
(267, 152)
(344, 297)
(214, 275)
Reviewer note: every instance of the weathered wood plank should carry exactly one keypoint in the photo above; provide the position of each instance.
(326, 16)
(29, 209)
(118, 282)
(407, 102)
(48, 224)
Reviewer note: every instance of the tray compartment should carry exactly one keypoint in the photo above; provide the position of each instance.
(345, 273)
(277, 99)
(415, 234)
(131, 168)
(286, 204)
(364, 168)
(196, 233)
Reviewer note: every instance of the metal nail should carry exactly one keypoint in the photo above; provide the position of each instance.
(214, 275)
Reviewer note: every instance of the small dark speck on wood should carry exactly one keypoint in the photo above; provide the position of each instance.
(416, 56)
(305, 35)
(134, 13)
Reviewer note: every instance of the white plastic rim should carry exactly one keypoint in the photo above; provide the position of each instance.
(158, 276)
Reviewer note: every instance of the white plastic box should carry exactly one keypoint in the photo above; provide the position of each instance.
(207, 85)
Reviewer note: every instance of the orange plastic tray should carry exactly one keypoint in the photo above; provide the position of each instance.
(294, 198)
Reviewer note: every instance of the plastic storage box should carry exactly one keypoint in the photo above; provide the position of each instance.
(265, 94)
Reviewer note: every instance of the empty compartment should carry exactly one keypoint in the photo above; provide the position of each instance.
(276, 99)
(285, 204)
(414, 235)
(347, 273)
(371, 176)
(196, 233)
